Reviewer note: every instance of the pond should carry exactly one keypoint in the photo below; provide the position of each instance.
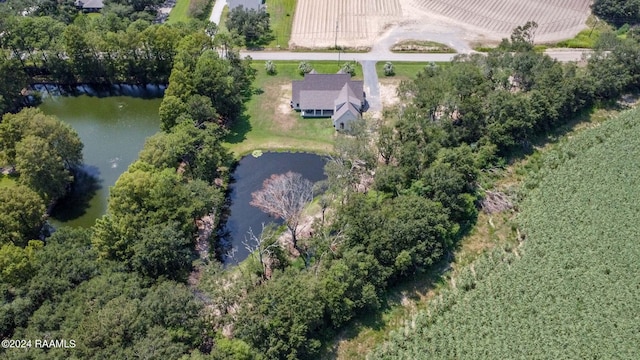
(247, 178)
(113, 125)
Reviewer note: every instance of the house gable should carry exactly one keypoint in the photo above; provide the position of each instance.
(246, 4)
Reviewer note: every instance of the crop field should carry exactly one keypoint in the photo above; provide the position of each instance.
(502, 16)
(359, 23)
(571, 290)
(354, 22)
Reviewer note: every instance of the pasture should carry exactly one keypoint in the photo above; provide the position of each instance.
(571, 289)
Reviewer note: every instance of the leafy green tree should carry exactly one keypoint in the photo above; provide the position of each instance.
(170, 110)
(63, 141)
(617, 12)
(213, 79)
(253, 24)
(200, 109)
(386, 228)
(67, 261)
(17, 264)
(509, 121)
(145, 196)
(304, 68)
(231, 349)
(270, 67)
(281, 320)
(41, 169)
(21, 215)
(162, 251)
(14, 80)
(389, 69)
(348, 68)
(198, 151)
(349, 285)
(522, 38)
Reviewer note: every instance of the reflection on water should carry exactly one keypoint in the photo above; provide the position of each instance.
(136, 91)
(247, 178)
(85, 186)
(113, 123)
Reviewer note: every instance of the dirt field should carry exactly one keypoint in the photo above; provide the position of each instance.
(354, 22)
(363, 23)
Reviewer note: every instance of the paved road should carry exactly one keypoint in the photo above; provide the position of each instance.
(298, 56)
(561, 55)
(371, 85)
(216, 12)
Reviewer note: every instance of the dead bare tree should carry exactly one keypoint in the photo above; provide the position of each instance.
(258, 246)
(284, 196)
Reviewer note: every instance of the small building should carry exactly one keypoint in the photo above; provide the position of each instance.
(246, 4)
(89, 5)
(329, 95)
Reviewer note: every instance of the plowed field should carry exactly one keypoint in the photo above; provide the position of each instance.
(325, 23)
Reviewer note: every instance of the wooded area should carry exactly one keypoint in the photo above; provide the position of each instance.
(572, 285)
(400, 197)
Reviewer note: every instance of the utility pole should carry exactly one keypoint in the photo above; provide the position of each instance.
(335, 44)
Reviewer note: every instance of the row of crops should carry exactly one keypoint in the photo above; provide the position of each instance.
(575, 291)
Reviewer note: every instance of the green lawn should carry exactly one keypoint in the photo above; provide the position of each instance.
(6, 181)
(281, 13)
(404, 70)
(270, 124)
(223, 17)
(180, 12)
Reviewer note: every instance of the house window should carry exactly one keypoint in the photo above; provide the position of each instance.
(341, 126)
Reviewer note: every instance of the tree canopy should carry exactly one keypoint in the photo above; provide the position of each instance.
(253, 25)
(618, 12)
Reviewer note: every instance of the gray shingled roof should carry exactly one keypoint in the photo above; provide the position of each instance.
(320, 91)
(90, 4)
(347, 102)
(246, 4)
(344, 109)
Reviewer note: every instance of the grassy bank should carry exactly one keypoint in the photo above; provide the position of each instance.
(281, 14)
(270, 124)
(180, 12)
(223, 17)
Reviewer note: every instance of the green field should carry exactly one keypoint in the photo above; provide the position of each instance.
(571, 290)
(180, 12)
(281, 13)
(270, 124)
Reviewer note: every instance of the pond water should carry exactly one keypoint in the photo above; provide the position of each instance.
(113, 125)
(247, 178)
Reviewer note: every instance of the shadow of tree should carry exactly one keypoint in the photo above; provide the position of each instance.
(83, 189)
(238, 129)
